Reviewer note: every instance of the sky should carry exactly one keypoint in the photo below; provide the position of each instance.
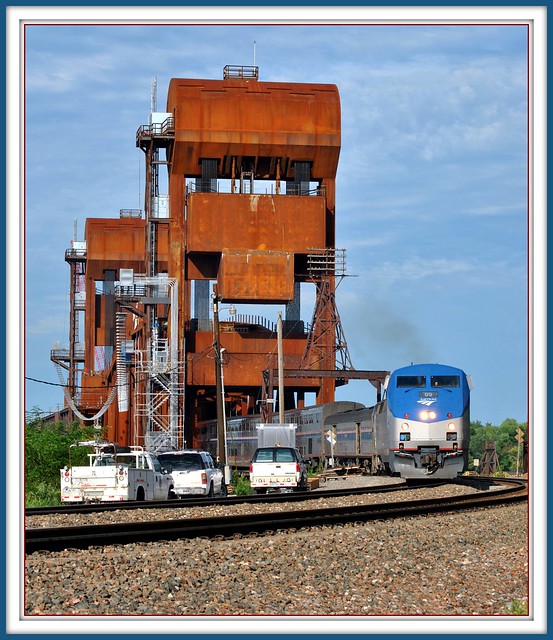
(431, 203)
(431, 190)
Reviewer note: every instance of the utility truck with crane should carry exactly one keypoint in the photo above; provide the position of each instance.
(115, 474)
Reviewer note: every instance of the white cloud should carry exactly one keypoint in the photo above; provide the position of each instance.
(431, 182)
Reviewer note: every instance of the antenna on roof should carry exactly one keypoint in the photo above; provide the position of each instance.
(153, 96)
(254, 53)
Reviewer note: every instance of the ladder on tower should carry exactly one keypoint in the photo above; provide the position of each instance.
(326, 338)
(121, 367)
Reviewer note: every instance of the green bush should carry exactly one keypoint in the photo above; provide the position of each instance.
(46, 452)
(42, 495)
(314, 471)
(241, 484)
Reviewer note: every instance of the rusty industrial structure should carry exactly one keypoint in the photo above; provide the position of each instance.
(248, 218)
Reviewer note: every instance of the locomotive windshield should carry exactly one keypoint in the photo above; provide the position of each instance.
(445, 381)
(411, 381)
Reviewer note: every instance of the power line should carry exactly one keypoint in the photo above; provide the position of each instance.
(80, 386)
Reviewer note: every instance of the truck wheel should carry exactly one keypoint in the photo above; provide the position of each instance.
(260, 491)
(224, 490)
(210, 493)
(171, 495)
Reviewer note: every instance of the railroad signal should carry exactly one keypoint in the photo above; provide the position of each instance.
(331, 437)
(520, 439)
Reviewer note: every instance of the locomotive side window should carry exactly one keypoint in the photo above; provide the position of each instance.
(445, 381)
(411, 381)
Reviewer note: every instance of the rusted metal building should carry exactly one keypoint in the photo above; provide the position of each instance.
(248, 218)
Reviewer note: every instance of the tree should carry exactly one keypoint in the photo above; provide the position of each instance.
(46, 452)
(504, 437)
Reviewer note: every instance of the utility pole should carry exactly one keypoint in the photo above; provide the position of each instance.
(226, 468)
(280, 371)
(221, 453)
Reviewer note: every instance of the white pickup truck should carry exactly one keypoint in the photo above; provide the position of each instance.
(279, 468)
(115, 474)
(194, 473)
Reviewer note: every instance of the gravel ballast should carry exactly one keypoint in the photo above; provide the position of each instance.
(472, 563)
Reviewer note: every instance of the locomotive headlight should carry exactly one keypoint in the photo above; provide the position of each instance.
(427, 415)
(451, 425)
(405, 425)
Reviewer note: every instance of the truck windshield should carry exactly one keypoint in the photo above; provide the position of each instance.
(276, 454)
(181, 462)
(109, 461)
(284, 455)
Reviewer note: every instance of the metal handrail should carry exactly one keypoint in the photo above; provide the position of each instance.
(206, 186)
(157, 129)
(240, 71)
(130, 213)
(75, 254)
(65, 354)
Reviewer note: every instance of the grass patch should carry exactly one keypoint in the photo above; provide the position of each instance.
(43, 494)
(517, 608)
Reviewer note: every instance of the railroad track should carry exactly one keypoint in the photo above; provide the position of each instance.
(191, 501)
(80, 537)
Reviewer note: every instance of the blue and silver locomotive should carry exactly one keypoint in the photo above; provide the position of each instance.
(427, 426)
(419, 430)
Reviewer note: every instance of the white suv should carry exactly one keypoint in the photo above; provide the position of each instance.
(194, 473)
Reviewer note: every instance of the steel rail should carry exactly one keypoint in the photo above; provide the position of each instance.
(194, 501)
(59, 538)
